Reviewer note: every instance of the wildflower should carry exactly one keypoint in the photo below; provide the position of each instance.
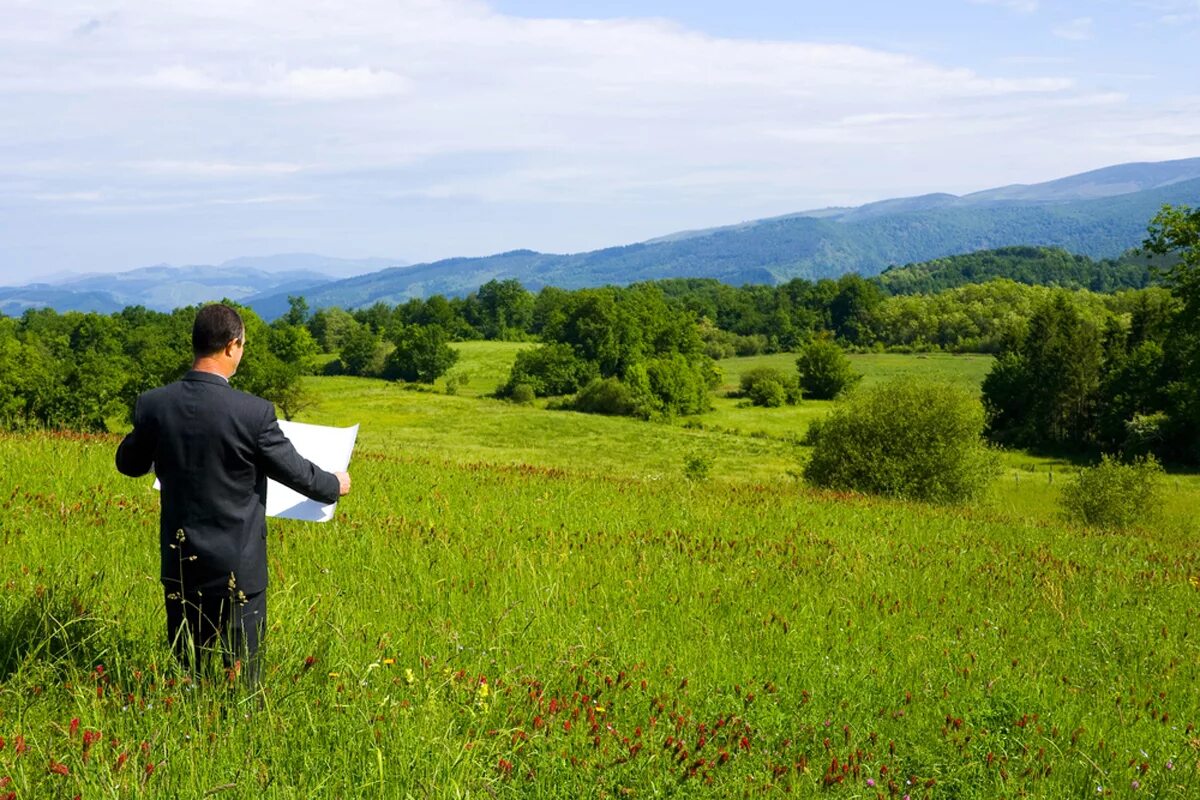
(599, 709)
(19, 745)
(1170, 764)
(308, 662)
(58, 768)
(409, 677)
(870, 783)
(73, 727)
(1135, 785)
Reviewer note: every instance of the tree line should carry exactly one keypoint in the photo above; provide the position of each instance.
(1075, 368)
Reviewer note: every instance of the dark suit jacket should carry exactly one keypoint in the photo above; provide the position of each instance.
(213, 449)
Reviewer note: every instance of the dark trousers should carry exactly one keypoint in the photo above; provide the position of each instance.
(200, 626)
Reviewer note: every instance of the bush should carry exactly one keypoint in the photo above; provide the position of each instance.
(551, 369)
(770, 387)
(1114, 495)
(904, 439)
(522, 394)
(608, 396)
(825, 371)
(697, 466)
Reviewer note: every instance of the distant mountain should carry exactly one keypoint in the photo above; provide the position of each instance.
(164, 287)
(1099, 214)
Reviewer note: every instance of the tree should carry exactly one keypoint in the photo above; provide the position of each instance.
(359, 353)
(1176, 230)
(1044, 389)
(297, 313)
(505, 309)
(825, 371)
(422, 354)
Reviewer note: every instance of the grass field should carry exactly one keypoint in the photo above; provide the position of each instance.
(516, 602)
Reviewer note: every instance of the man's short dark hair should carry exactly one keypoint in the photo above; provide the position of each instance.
(216, 326)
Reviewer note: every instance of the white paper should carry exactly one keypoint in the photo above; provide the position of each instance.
(328, 448)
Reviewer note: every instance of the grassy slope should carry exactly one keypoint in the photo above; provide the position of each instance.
(991, 655)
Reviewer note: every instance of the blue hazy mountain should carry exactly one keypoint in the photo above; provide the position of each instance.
(164, 287)
(1100, 214)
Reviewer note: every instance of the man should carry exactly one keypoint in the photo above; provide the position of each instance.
(213, 448)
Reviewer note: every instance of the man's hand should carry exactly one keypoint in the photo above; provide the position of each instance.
(343, 483)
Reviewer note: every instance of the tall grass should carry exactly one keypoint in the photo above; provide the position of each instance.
(522, 603)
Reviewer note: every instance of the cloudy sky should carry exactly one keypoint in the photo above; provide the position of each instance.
(135, 133)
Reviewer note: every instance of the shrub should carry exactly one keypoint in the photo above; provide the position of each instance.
(522, 394)
(551, 369)
(770, 387)
(825, 371)
(672, 385)
(904, 439)
(1114, 495)
(697, 466)
(608, 396)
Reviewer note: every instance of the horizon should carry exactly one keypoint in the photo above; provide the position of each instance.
(423, 131)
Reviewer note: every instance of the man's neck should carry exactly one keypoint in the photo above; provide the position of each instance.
(213, 367)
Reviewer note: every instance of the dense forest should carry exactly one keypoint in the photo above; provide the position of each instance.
(1077, 368)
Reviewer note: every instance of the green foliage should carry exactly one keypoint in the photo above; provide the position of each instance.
(421, 354)
(361, 352)
(1044, 266)
(330, 327)
(522, 394)
(608, 396)
(500, 310)
(698, 465)
(550, 369)
(770, 387)
(1114, 495)
(1045, 390)
(1176, 230)
(901, 439)
(825, 372)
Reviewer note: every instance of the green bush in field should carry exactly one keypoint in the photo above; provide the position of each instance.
(607, 396)
(905, 439)
(697, 466)
(552, 369)
(522, 394)
(770, 387)
(825, 371)
(1115, 495)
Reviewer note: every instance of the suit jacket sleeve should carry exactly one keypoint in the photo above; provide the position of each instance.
(135, 454)
(284, 464)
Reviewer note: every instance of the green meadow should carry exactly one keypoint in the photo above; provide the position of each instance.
(519, 602)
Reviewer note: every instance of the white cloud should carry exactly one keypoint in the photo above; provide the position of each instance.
(323, 106)
(1076, 30)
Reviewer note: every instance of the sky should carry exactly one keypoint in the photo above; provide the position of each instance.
(136, 133)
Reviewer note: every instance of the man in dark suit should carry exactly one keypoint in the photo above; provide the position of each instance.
(213, 448)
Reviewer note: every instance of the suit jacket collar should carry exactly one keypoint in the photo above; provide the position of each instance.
(205, 377)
